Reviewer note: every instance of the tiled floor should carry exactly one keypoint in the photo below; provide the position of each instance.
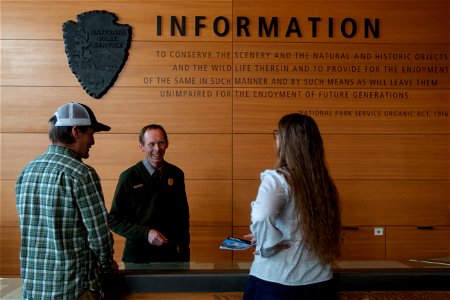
(10, 288)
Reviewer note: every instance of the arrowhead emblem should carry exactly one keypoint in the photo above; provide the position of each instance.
(96, 48)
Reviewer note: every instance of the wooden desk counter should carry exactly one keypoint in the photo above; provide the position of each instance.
(231, 277)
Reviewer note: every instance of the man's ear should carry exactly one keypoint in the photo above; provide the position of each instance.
(141, 147)
(75, 132)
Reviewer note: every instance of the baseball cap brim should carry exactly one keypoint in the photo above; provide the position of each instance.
(95, 124)
(101, 127)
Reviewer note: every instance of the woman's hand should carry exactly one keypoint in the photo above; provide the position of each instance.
(277, 248)
(250, 237)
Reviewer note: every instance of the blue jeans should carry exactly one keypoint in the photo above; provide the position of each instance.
(258, 289)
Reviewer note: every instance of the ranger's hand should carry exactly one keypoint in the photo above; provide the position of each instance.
(156, 238)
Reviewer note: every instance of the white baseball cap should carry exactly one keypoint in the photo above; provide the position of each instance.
(77, 114)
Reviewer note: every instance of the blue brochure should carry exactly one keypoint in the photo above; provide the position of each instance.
(233, 243)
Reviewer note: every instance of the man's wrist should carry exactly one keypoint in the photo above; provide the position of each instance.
(105, 266)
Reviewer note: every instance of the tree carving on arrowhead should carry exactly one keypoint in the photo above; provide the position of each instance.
(97, 49)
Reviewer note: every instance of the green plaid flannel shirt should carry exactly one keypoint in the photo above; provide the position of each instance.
(63, 224)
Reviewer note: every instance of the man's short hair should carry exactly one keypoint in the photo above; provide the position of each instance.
(151, 127)
(63, 134)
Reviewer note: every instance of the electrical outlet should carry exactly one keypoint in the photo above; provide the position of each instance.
(378, 231)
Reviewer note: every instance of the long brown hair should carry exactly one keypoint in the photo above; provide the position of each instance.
(301, 155)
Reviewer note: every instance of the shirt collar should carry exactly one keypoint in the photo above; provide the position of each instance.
(149, 167)
(63, 150)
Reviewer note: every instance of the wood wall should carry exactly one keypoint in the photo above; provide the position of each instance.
(385, 127)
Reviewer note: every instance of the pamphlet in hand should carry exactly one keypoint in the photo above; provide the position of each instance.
(233, 243)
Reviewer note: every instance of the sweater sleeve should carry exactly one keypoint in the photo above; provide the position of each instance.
(121, 216)
(269, 203)
(184, 238)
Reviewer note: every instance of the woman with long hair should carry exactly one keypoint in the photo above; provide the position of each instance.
(295, 219)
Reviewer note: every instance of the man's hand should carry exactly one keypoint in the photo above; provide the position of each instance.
(156, 238)
(109, 267)
(115, 267)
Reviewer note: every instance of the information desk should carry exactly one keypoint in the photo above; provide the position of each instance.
(428, 275)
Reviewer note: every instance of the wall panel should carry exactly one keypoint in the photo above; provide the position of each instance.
(244, 192)
(205, 243)
(23, 15)
(419, 14)
(413, 242)
(355, 156)
(130, 109)
(360, 244)
(10, 251)
(8, 211)
(251, 115)
(396, 202)
(370, 202)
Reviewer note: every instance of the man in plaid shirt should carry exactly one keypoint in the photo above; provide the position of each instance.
(65, 237)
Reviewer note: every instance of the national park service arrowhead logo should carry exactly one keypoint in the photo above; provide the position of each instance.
(96, 48)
